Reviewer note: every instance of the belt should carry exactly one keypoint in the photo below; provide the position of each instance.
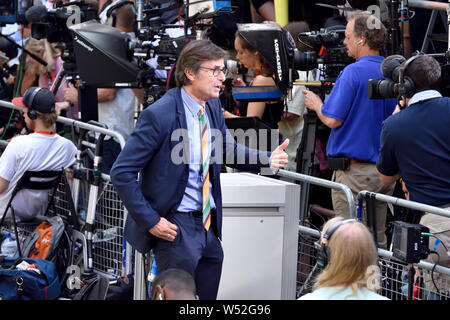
(360, 161)
(193, 213)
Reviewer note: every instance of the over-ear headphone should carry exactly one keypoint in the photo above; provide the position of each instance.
(31, 112)
(323, 251)
(111, 12)
(406, 86)
(394, 67)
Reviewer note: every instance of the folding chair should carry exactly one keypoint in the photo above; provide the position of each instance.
(33, 180)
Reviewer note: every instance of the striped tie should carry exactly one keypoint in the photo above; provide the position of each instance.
(206, 209)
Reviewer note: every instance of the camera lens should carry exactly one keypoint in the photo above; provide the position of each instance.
(382, 89)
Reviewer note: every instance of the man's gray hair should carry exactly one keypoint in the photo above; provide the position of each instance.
(369, 26)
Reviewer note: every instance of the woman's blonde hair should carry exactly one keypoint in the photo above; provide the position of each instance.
(351, 251)
(46, 51)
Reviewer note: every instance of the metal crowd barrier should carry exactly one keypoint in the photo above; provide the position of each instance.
(307, 236)
(323, 183)
(75, 123)
(111, 256)
(394, 273)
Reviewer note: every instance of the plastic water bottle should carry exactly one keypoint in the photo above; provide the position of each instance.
(104, 235)
(152, 275)
(9, 247)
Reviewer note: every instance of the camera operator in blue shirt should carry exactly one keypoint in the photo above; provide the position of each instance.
(355, 120)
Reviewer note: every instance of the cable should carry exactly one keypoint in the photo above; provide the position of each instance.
(438, 240)
(16, 94)
(432, 271)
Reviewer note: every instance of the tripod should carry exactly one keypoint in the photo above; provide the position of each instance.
(305, 158)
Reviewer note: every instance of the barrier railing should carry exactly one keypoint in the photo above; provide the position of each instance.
(323, 183)
(394, 282)
(400, 202)
(75, 123)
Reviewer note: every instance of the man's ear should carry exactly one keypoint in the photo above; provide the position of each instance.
(189, 73)
(158, 293)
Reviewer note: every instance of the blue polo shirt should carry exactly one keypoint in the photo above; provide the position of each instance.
(416, 143)
(359, 135)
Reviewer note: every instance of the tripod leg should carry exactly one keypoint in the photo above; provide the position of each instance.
(305, 159)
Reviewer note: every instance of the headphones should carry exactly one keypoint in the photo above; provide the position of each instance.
(323, 250)
(111, 10)
(31, 112)
(406, 86)
(393, 69)
(359, 42)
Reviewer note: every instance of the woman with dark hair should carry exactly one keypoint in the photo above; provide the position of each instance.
(269, 112)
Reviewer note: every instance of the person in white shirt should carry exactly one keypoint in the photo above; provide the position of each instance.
(41, 150)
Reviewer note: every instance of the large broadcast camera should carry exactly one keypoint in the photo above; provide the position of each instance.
(52, 24)
(328, 53)
(109, 58)
(397, 84)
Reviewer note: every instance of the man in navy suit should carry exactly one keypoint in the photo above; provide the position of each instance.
(166, 204)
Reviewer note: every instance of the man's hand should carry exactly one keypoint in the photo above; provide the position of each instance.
(71, 94)
(399, 107)
(59, 106)
(279, 157)
(312, 100)
(164, 230)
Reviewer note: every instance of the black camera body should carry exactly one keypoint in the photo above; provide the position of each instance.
(410, 245)
(330, 52)
(52, 24)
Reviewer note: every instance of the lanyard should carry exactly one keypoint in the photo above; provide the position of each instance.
(45, 132)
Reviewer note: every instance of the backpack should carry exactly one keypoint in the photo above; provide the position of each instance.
(51, 241)
(44, 239)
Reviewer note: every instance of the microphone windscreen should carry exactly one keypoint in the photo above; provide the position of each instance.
(389, 66)
(36, 13)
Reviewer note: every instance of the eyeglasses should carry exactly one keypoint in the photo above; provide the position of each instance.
(216, 71)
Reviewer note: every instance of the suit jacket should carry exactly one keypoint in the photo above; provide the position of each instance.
(162, 182)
